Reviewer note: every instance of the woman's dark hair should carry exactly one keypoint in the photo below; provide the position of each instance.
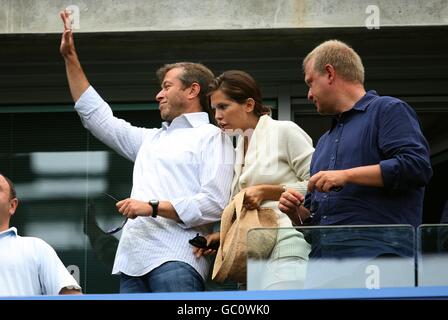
(240, 86)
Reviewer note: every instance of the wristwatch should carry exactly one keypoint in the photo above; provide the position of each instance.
(155, 207)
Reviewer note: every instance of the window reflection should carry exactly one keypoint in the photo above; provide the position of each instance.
(71, 163)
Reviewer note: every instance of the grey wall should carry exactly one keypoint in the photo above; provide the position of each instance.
(41, 16)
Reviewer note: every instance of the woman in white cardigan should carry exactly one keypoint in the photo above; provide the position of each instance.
(270, 157)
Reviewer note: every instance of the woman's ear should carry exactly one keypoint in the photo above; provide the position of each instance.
(250, 105)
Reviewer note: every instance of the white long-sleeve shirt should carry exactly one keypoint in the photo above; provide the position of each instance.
(188, 162)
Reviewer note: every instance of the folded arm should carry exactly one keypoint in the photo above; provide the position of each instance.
(215, 177)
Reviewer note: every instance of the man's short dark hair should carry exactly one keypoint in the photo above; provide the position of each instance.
(192, 73)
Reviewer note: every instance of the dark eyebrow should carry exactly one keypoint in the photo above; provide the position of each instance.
(166, 82)
(220, 105)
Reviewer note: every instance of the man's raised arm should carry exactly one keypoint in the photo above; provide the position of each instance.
(77, 80)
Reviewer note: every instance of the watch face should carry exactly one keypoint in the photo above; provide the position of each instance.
(155, 207)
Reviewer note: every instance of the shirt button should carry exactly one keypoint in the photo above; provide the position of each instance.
(337, 140)
(332, 157)
(325, 196)
(324, 217)
(341, 124)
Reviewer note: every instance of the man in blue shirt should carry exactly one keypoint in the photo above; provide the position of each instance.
(372, 166)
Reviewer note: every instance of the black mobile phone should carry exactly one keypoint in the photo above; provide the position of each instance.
(201, 242)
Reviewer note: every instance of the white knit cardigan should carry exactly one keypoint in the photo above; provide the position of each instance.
(279, 153)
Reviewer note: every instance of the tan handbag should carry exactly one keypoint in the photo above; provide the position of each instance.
(236, 221)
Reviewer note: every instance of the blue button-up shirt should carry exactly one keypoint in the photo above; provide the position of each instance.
(377, 130)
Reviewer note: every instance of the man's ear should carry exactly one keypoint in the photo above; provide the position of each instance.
(194, 90)
(250, 105)
(330, 73)
(13, 206)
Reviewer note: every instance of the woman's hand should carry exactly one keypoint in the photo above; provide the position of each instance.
(253, 197)
(290, 203)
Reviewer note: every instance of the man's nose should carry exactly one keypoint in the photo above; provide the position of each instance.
(159, 96)
(310, 95)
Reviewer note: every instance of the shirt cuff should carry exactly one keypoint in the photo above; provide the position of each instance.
(391, 173)
(187, 212)
(307, 201)
(89, 101)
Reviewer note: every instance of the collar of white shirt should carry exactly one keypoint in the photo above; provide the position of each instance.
(194, 119)
(10, 230)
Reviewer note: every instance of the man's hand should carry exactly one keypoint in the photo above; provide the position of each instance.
(211, 238)
(77, 80)
(326, 181)
(132, 208)
(67, 43)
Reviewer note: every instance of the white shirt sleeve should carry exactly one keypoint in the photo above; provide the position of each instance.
(53, 275)
(300, 151)
(96, 116)
(216, 173)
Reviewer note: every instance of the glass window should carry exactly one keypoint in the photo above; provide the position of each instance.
(61, 173)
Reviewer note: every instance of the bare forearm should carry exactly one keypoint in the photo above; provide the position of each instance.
(76, 77)
(271, 191)
(326, 181)
(69, 291)
(133, 208)
(167, 210)
(366, 176)
(77, 80)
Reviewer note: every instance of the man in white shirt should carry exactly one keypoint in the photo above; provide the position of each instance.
(182, 174)
(28, 266)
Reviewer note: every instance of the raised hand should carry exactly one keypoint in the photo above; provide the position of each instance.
(67, 43)
(77, 80)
